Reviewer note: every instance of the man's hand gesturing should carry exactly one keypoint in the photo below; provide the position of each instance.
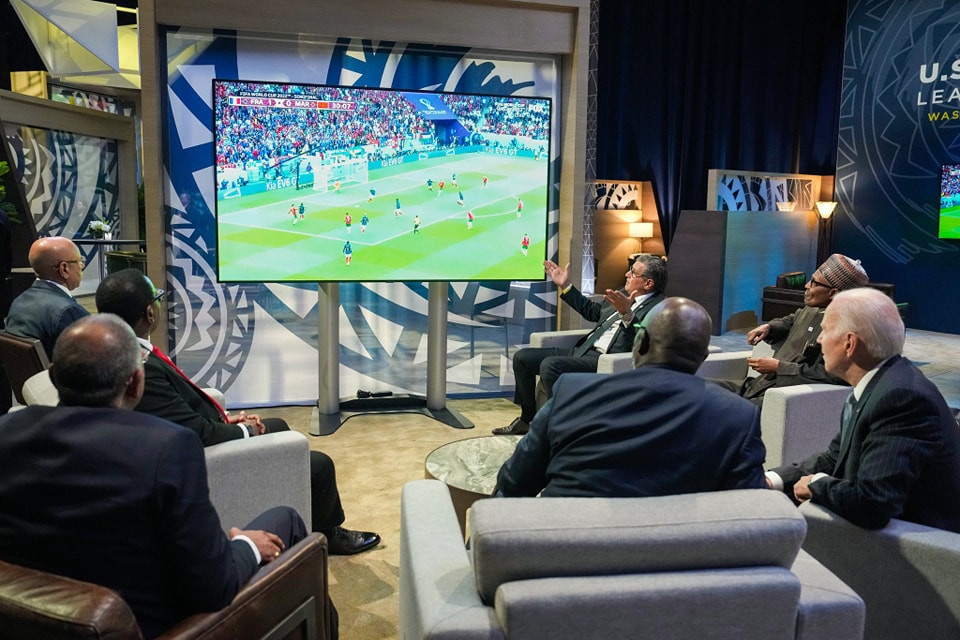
(560, 277)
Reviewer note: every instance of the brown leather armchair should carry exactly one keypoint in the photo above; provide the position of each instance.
(285, 599)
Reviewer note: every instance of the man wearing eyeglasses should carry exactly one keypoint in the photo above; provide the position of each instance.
(47, 308)
(168, 393)
(798, 359)
(613, 333)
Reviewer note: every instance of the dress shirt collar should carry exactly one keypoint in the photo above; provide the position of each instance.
(57, 285)
(640, 300)
(865, 380)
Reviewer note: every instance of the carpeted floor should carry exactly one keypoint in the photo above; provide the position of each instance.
(375, 455)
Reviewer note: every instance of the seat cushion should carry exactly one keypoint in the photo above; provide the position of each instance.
(530, 538)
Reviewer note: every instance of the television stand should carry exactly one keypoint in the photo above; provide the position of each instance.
(332, 410)
(322, 424)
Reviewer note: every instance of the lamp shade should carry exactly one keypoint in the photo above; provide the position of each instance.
(640, 229)
(825, 208)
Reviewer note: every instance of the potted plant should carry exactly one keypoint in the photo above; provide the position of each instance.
(99, 229)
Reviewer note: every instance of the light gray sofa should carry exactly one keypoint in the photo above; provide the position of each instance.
(280, 463)
(907, 574)
(608, 363)
(718, 565)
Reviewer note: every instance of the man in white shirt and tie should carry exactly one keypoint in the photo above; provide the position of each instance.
(897, 453)
(614, 332)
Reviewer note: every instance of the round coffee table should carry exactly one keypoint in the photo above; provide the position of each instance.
(469, 468)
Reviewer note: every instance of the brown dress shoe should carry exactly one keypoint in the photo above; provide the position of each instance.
(516, 428)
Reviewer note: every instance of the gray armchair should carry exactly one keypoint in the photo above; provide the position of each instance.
(795, 422)
(906, 573)
(280, 462)
(608, 363)
(718, 565)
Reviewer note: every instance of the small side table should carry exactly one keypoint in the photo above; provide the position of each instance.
(469, 468)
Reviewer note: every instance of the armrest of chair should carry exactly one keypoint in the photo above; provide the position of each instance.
(801, 420)
(557, 339)
(828, 608)
(727, 365)
(280, 464)
(286, 594)
(39, 389)
(37, 604)
(438, 590)
(906, 573)
(615, 363)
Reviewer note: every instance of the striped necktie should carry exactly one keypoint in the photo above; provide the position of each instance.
(846, 425)
(596, 333)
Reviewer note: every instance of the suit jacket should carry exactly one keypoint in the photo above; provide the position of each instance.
(168, 395)
(648, 432)
(43, 311)
(800, 356)
(902, 459)
(598, 312)
(119, 499)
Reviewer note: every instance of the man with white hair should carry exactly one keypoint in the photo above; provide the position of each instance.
(897, 454)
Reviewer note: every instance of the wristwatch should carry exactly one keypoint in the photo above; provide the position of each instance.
(627, 317)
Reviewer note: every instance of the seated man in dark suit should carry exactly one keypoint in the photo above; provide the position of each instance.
(897, 454)
(613, 333)
(797, 359)
(657, 430)
(100, 493)
(45, 309)
(170, 394)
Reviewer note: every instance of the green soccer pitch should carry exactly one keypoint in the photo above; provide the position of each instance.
(950, 223)
(259, 242)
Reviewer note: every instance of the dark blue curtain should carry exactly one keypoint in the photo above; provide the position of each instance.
(691, 85)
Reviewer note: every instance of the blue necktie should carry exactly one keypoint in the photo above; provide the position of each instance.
(846, 424)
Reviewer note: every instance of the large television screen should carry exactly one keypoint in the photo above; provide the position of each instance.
(949, 201)
(328, 183)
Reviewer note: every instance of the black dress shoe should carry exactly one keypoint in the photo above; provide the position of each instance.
(516, 428)
(346, 542)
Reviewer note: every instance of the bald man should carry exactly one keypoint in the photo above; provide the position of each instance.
(657, 430)
(47, 308)
(95, 491)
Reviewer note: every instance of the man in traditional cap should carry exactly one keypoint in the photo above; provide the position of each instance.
(798, 358)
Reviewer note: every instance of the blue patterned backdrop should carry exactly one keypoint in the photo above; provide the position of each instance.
(899, 122)
(258, 341)
(69, 180)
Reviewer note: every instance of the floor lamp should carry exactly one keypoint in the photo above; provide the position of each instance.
(825, 229)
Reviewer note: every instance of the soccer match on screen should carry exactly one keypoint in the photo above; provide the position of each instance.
(322, 183)
(950, 201)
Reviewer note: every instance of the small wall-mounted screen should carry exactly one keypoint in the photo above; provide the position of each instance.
(950, 202)
(326, 183)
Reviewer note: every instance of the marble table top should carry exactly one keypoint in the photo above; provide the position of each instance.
(471, 464)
